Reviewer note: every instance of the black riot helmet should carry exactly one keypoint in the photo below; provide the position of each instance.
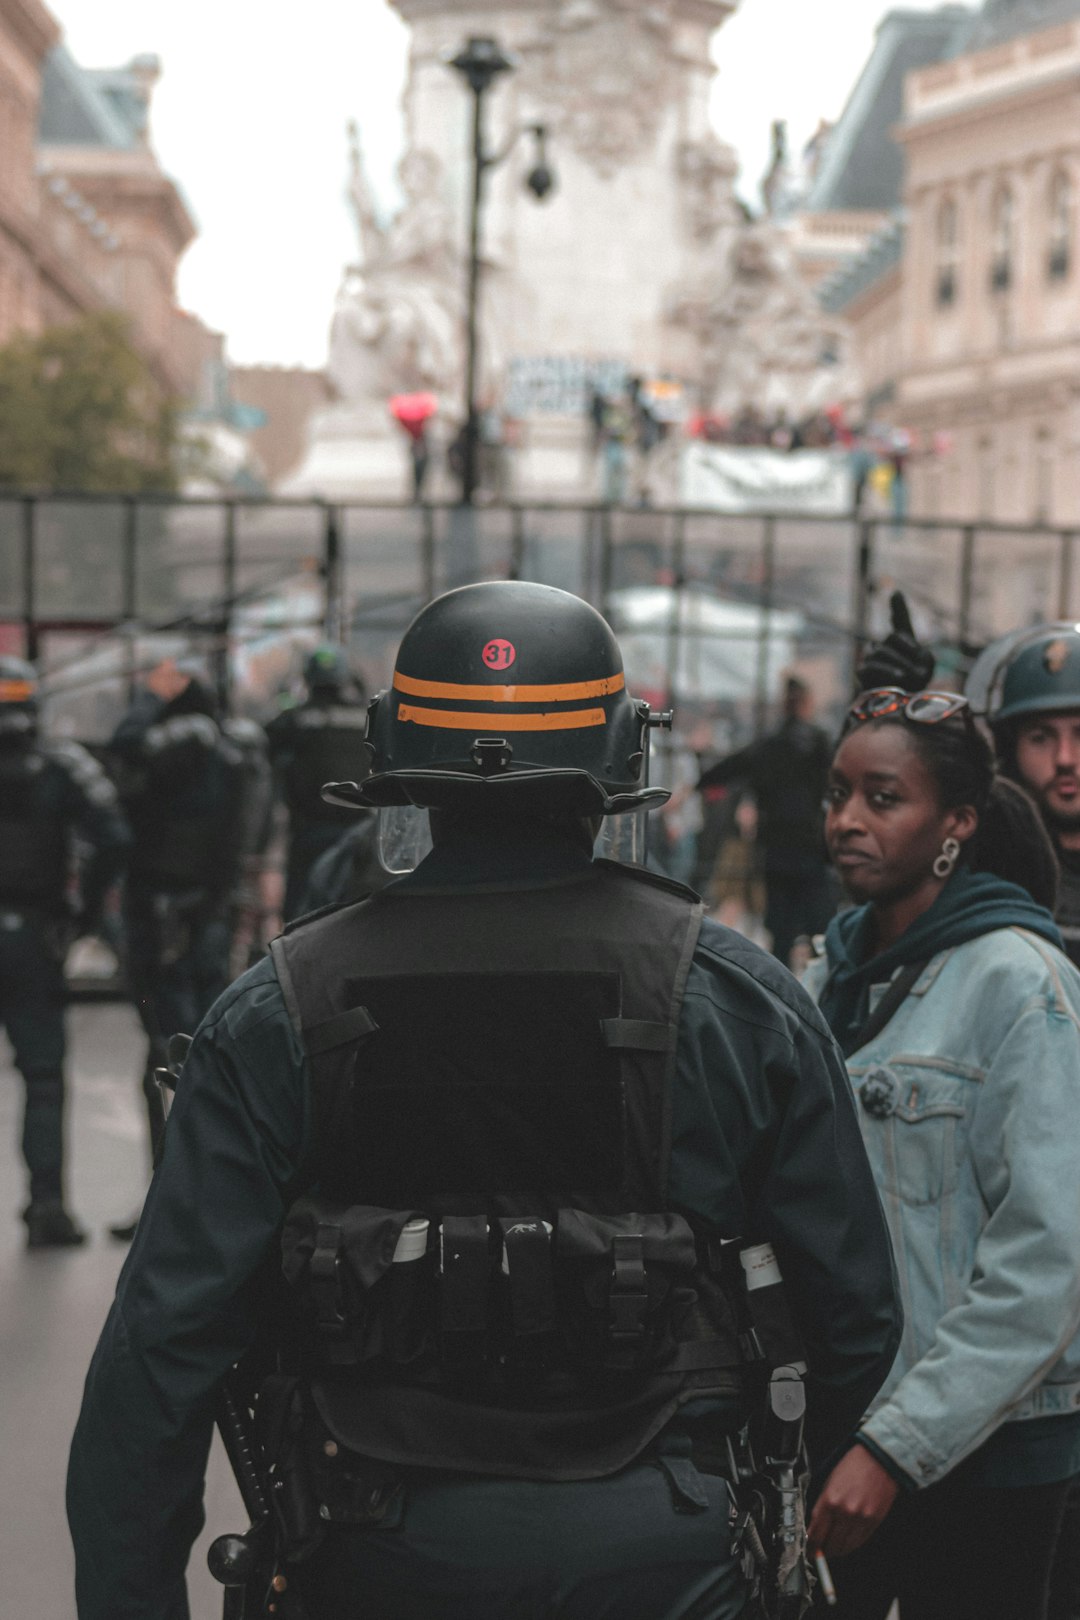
(326, 668)
(511, 697)
(18, 700)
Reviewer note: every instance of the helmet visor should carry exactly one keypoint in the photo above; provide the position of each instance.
(622, 838)
(404, 838)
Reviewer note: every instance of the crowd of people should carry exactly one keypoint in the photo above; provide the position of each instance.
(480, 1069)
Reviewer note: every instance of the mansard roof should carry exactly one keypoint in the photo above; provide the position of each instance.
(87, 107)
(1000, 20)
(862, 166)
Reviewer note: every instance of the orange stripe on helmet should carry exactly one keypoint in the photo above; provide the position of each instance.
(458, 720)
(568, 692)
(16, 691)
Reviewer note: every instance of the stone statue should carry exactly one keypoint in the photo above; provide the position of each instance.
(762, 336)
(396, 326)
(606, 70)
(705, 173)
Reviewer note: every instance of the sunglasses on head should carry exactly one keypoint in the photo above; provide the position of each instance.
(923, 708)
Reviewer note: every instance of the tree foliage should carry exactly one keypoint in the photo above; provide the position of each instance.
(81, 412)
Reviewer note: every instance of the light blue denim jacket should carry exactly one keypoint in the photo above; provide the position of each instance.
(973, 1134)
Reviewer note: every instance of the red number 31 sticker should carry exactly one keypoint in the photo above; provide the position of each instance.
(499, 654)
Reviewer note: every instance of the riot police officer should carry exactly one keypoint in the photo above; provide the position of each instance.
(1032, 702)
(318, 741)
(497, 1119)
(184, 785)
(48, 793)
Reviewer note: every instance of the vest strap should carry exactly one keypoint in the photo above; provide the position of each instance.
(465, 1278)
(527, 1249)
(638, 1034)
(629, 1296)
(342, 1030)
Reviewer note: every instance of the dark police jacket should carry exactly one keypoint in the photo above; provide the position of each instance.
(763, 1140)
(317, 742)
(184, 785)
(48, 793)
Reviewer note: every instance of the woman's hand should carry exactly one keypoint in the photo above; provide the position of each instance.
(857, 1497)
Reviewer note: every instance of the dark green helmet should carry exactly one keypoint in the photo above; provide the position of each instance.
(1036, 672)
(327, 668)
(509, 696)
(18, 698)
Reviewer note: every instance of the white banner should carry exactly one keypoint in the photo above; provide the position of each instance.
(737, 478)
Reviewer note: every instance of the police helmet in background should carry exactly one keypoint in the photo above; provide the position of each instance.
(1028, 672)
(507, 698)
(18, 700)
(326, 668)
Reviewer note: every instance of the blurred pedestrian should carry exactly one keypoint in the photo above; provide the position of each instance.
(959, 1016)
(320, 740)
(616, 436)
(183, 786)
(50, 794)
(787, 771)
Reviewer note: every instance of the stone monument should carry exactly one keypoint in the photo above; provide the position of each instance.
(642, 262)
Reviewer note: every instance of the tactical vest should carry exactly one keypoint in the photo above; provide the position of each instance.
(325, 745)
(33, 838)
(489, 1277)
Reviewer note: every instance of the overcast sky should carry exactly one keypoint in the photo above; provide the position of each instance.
(250, 114)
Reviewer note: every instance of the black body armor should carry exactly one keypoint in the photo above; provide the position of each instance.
(499, 1066)
(33, 835)
(321, 743)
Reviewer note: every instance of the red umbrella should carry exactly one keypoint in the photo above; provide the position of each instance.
(412, 409)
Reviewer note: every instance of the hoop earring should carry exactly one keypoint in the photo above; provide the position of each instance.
(950, 854)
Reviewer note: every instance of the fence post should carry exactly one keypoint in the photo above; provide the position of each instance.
(675, 619)
(331, 573)
(427, 553)
(768, 584)
(129, 587)
(29, 549)
(517, 542)
(1065, 574)
(863, 590)
(967, 580)
(224, 625)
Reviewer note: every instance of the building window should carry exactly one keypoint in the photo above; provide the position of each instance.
(948, 246)
(1061, 214)
(1001, 235)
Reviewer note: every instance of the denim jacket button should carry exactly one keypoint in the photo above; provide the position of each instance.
(879, 1093)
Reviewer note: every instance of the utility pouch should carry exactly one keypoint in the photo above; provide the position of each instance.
(626, 1288)
(358, 1305)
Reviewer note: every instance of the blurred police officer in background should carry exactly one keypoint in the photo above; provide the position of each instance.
(318, 741)
(49, 793)
(183, 785)
(497, 1119)
(787, 771)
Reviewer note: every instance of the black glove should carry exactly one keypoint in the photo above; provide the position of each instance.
(899, 660)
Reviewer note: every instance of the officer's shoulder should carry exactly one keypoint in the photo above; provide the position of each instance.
(744, 981)
(80, 765)
(253, 999)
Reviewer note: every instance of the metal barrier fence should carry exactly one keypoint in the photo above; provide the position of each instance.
(709, 607)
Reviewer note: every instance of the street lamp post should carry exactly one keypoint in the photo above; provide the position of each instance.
(480, 63)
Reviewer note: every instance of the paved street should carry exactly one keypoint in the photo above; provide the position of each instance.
(51, 1309)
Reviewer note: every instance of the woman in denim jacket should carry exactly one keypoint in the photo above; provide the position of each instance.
(960, 1020)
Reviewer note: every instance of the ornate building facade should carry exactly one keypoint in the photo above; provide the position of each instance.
(88, 219)
(965, 312)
